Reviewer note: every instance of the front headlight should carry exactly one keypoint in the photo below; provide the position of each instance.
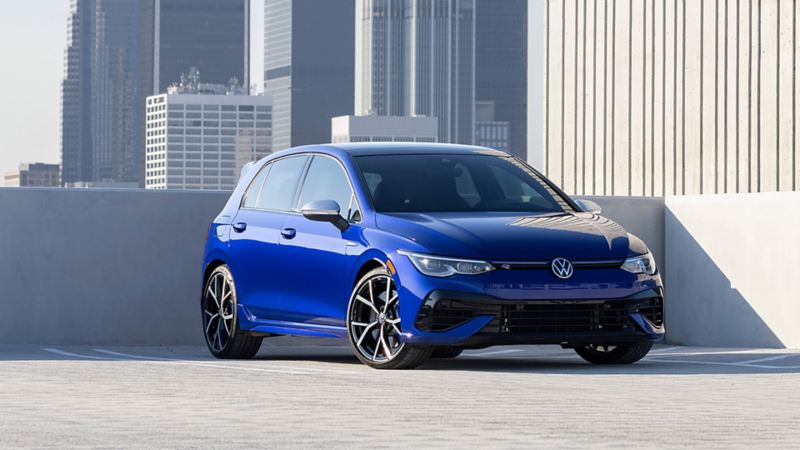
(640, 264)
(436, 266)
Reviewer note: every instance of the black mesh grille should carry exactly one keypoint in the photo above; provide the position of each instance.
(542, 317)
(653, 310)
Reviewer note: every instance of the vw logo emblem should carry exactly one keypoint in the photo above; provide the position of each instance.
(561, 268)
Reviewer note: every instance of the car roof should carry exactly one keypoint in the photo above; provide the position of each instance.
(407, 148)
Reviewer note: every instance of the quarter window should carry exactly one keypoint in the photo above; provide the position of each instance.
(279, 184)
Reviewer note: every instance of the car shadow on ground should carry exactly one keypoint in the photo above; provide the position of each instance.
(672, 364)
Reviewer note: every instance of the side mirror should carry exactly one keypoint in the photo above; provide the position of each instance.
(325, 211)
(589, 206)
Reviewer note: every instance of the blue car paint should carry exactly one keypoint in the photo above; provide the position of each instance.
(302, 285)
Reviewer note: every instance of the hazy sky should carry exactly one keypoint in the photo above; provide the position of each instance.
(33, 36)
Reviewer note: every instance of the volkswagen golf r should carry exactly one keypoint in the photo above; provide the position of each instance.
(414, 251)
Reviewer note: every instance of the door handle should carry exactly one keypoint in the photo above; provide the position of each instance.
(289, 233)
(239, 227)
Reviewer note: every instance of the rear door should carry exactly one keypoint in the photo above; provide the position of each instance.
(255, 261)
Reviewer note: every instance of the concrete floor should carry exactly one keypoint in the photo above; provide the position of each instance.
(314, 393)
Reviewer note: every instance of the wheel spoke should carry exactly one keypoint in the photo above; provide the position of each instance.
(364, 334)
(388, 292)
(386, 350)
(396, 329)
(213, 294)
(375, 355)
(219, 335)
(368, 303)
(362, 324)
(227, 327)
(210, 321)
(217, 290)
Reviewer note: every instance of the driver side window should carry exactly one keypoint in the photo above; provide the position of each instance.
(326, 180)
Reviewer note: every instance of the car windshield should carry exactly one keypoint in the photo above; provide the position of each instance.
(456, 183)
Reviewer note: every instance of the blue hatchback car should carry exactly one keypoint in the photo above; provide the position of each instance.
(411, 251)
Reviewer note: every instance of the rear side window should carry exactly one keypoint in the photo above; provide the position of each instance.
(326, 180)
(279, 185)
(251, 196)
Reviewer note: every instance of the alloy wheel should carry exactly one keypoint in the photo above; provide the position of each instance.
(374, 319)
(218, 311)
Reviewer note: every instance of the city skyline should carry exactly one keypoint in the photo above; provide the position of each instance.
(30, 122)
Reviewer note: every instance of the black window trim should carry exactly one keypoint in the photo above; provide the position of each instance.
(301, 181)
(268, 166)
(353, 196)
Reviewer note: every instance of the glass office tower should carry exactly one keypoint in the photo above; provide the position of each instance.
(308, 67)
(417, 57)
(501, 65)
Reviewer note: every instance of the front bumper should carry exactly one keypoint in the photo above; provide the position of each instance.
(476, 320)
(505, 306)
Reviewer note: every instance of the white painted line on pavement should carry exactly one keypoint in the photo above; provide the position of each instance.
(663, 349)
(717, 363)
(727, 352)
(75, 355)
(770, 358)
(127, 355)
(292, 370)
(164, 360)
(496, 352)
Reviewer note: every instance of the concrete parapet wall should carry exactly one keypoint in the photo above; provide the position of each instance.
(91, 266)
(123, 266)
(732, 267)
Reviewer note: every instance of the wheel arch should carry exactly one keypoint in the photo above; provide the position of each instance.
(366, 267)
(210, 267)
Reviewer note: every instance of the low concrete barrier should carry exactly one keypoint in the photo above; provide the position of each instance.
(102, 266)
(732, 263)
(641, 216)
(122, 266)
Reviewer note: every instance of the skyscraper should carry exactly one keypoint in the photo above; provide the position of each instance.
(211, 35)
(76, 94)
(308, 67)
(114, 70)
(417, 57)
(501, 65)
(119, 52)
(99, 92)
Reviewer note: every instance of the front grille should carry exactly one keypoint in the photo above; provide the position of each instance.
(541, 317)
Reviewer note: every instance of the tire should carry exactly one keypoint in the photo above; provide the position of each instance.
(446, 352)
(373, 325)
(614, 354)
(221, 318)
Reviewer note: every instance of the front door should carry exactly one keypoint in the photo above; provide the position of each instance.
(314, 253)
(257, 267)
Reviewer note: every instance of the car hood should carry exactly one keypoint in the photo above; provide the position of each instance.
(510, 236)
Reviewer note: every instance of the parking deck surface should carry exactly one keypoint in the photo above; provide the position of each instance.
(314, 393)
